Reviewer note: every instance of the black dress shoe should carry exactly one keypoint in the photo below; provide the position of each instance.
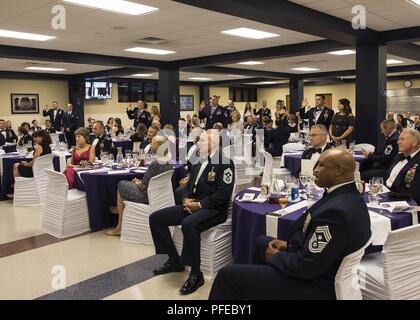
(169, 267)
(192, 284)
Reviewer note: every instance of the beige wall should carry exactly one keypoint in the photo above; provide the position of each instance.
(104, 109)
(58, 90)
(48, 91)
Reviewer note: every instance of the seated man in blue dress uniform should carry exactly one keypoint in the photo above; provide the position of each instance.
(205, 205)
(305, 266)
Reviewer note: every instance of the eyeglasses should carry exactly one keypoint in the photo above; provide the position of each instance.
(315, 134)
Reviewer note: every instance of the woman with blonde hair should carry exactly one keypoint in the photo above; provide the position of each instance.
(155, 113)
(136, 190)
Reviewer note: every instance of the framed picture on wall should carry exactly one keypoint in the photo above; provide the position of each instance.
(24, 103)
(187, 103)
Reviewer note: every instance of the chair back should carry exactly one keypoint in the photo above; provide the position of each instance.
(228, 152)
(347, 280)
(40, 165)
(401, 263)
(55, 137)
(160, 192)
(268, 168)
(293, 147)
(57, 189)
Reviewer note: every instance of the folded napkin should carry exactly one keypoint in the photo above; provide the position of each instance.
(271, 220)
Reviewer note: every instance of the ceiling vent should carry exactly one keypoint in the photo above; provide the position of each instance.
(152, 40)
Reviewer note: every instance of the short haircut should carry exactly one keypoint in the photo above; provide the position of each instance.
(182, 119)
(414, 134)
(100, 123)
(154, 127)
(2, 120)
(322, 128)
(389, 124)
(269, 121)
(83, 132)
(321, 95)
(218, 126)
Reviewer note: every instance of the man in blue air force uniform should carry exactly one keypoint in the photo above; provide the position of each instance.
(214, 113)
(205, 205)
(305, 266)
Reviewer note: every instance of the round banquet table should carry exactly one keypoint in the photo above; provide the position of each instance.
(7, 163)
(293, 162)
(101, 193)
(249, 221)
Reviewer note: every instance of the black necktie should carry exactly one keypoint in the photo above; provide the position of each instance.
(403, 157)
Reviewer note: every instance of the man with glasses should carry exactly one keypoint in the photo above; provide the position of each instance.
(318, 138)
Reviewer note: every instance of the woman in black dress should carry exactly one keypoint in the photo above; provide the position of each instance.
(43, 141)
(342, 124)
(109, 126)
(118, 128)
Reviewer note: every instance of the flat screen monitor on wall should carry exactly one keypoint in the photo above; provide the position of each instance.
(187, 103)
(98, 90)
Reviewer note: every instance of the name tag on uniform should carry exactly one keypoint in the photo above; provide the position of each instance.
(211, 176)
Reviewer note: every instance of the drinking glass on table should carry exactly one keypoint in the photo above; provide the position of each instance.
(110, 159)
(304, 180)
(284, 194)
(351, 147)
(375, 187)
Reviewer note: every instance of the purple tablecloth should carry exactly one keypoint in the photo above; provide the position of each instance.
(7, 177)
(101, 193)
(293, 163)
(248, 222)
(10, 148)
(125, 145)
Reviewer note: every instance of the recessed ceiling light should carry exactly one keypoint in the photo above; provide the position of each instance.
(24, 35)
(119, 6)
(200, 79)
(250, 33)
(266, 82)
(414, 3)
(393, 61)
(342, 52)
(142, 75)
(150, 51)
(45, 69)
(251, 63)
(305, 69)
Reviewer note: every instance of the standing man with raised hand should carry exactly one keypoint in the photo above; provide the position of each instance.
(139, 114)
(55, 114)
(319, 114)
(264, 111)
(214, 113)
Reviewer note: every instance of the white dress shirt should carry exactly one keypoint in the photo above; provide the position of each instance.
(316, 155)
(317, 113)
(397, 169)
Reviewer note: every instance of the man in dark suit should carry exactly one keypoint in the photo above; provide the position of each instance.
(99, 140)
(2, 140)
(206, 201)
(55, 114)
(320, 114)
(275, 139)
(251, 128)
(146, 143)
(417, 123)
(264, 111)
(305, 265)
(378, 162)
(69, 125)
(12, 136)
(8, 135)
(214, 113)
(404, 173)
(139, 115)
(318, 138)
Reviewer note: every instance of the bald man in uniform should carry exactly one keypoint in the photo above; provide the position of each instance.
(305, 266)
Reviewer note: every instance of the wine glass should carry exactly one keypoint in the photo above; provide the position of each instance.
(375, 187)
(110, 159)
(351, 147)
(304, 180)
(284, 194)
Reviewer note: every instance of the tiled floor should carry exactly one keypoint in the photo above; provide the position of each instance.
(95, 265)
